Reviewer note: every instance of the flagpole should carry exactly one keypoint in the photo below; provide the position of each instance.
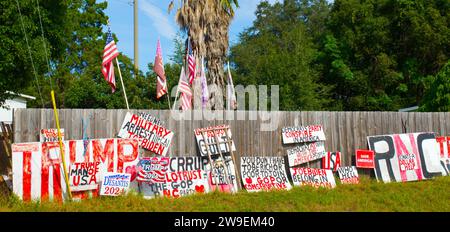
(228, 91)
(178, 90)
(168, 98)
(123, 86)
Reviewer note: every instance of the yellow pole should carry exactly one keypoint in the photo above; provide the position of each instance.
(61, 146)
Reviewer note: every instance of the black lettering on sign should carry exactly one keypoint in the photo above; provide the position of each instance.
(420, 139)
(386, 156)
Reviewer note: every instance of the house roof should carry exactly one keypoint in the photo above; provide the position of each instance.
(22, 95)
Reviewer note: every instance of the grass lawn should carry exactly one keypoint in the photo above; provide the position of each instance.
(429, 195)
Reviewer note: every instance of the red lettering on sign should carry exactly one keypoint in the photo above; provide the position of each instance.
(101, 153)
(124, 158)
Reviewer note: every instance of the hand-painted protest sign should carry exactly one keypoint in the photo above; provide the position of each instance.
(331, 161)
(303, 134)
(313, 177)
(115, 184)
(50, 135)
(83, 176)
(38, 170)
(405, 157)
(150, 134)
(305, 153)
(208, 180)
(152, 169)
(365, 159)
(264, 173)
(209, 136)
(444, 151)
(348, 175)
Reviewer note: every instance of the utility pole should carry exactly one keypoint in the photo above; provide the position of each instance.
(136, 52)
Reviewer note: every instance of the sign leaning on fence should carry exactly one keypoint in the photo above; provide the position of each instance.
(313, 177)
(151, 135)
(37, 167)
(203, 179)
(348, 175)
(115, 184)
(365, 159)
(152, 169)
(332, 161)
(405, 157)
(84, 176)
(305, 153)
(264, 173)
(210, 139)
(444, 151)
(50, 135)
(302, 134)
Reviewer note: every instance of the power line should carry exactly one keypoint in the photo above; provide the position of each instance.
(45, 47)
(29, 52)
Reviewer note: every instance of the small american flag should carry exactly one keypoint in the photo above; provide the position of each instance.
(161, 84)
(191, 63)
(109, 53)
(186, 92)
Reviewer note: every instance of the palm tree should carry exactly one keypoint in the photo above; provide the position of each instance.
(207, 22)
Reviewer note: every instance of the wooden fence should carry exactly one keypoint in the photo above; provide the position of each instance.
(344, 131)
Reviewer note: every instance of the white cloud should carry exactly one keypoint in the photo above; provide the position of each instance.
(160, 19)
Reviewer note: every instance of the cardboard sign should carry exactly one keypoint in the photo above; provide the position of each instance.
(83, 176)
(115, 184)
(178, 184)
(193, 164)
(264, 173)
(365, 159)
(38, 170)
(150, 134)
(444, 151)
(348, 175)
(209, 136)
(305, 153)
(313, 177)
(152, 169)
(331, 161)
(303, 134)
(50, 135)
(405, 157)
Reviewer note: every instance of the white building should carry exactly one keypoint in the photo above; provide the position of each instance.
(19, 101)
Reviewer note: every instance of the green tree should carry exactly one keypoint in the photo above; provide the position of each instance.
(278, 50)
(437, 97)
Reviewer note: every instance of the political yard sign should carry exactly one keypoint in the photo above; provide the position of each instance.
(209, 138)
(50, 135)
(348, 175)
(305, 153)
(332, 161)
(405, 157)
(38, 169)
(150, 133)
(264, 173)
(84, 176)
(115, 184)
(152, 169)
(313, 177)
(302, 134)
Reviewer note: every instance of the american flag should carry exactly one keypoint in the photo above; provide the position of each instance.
(186, 92)
(231, 94)
(109, 53)
(161, 84)
(191, 63)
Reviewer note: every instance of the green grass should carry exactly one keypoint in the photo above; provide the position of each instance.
(430, 195)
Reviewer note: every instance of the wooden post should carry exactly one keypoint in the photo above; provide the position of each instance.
(238, 174)
(228, 178)
(209, 156)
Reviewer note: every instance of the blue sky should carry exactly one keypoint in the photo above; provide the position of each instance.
(155, 22)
